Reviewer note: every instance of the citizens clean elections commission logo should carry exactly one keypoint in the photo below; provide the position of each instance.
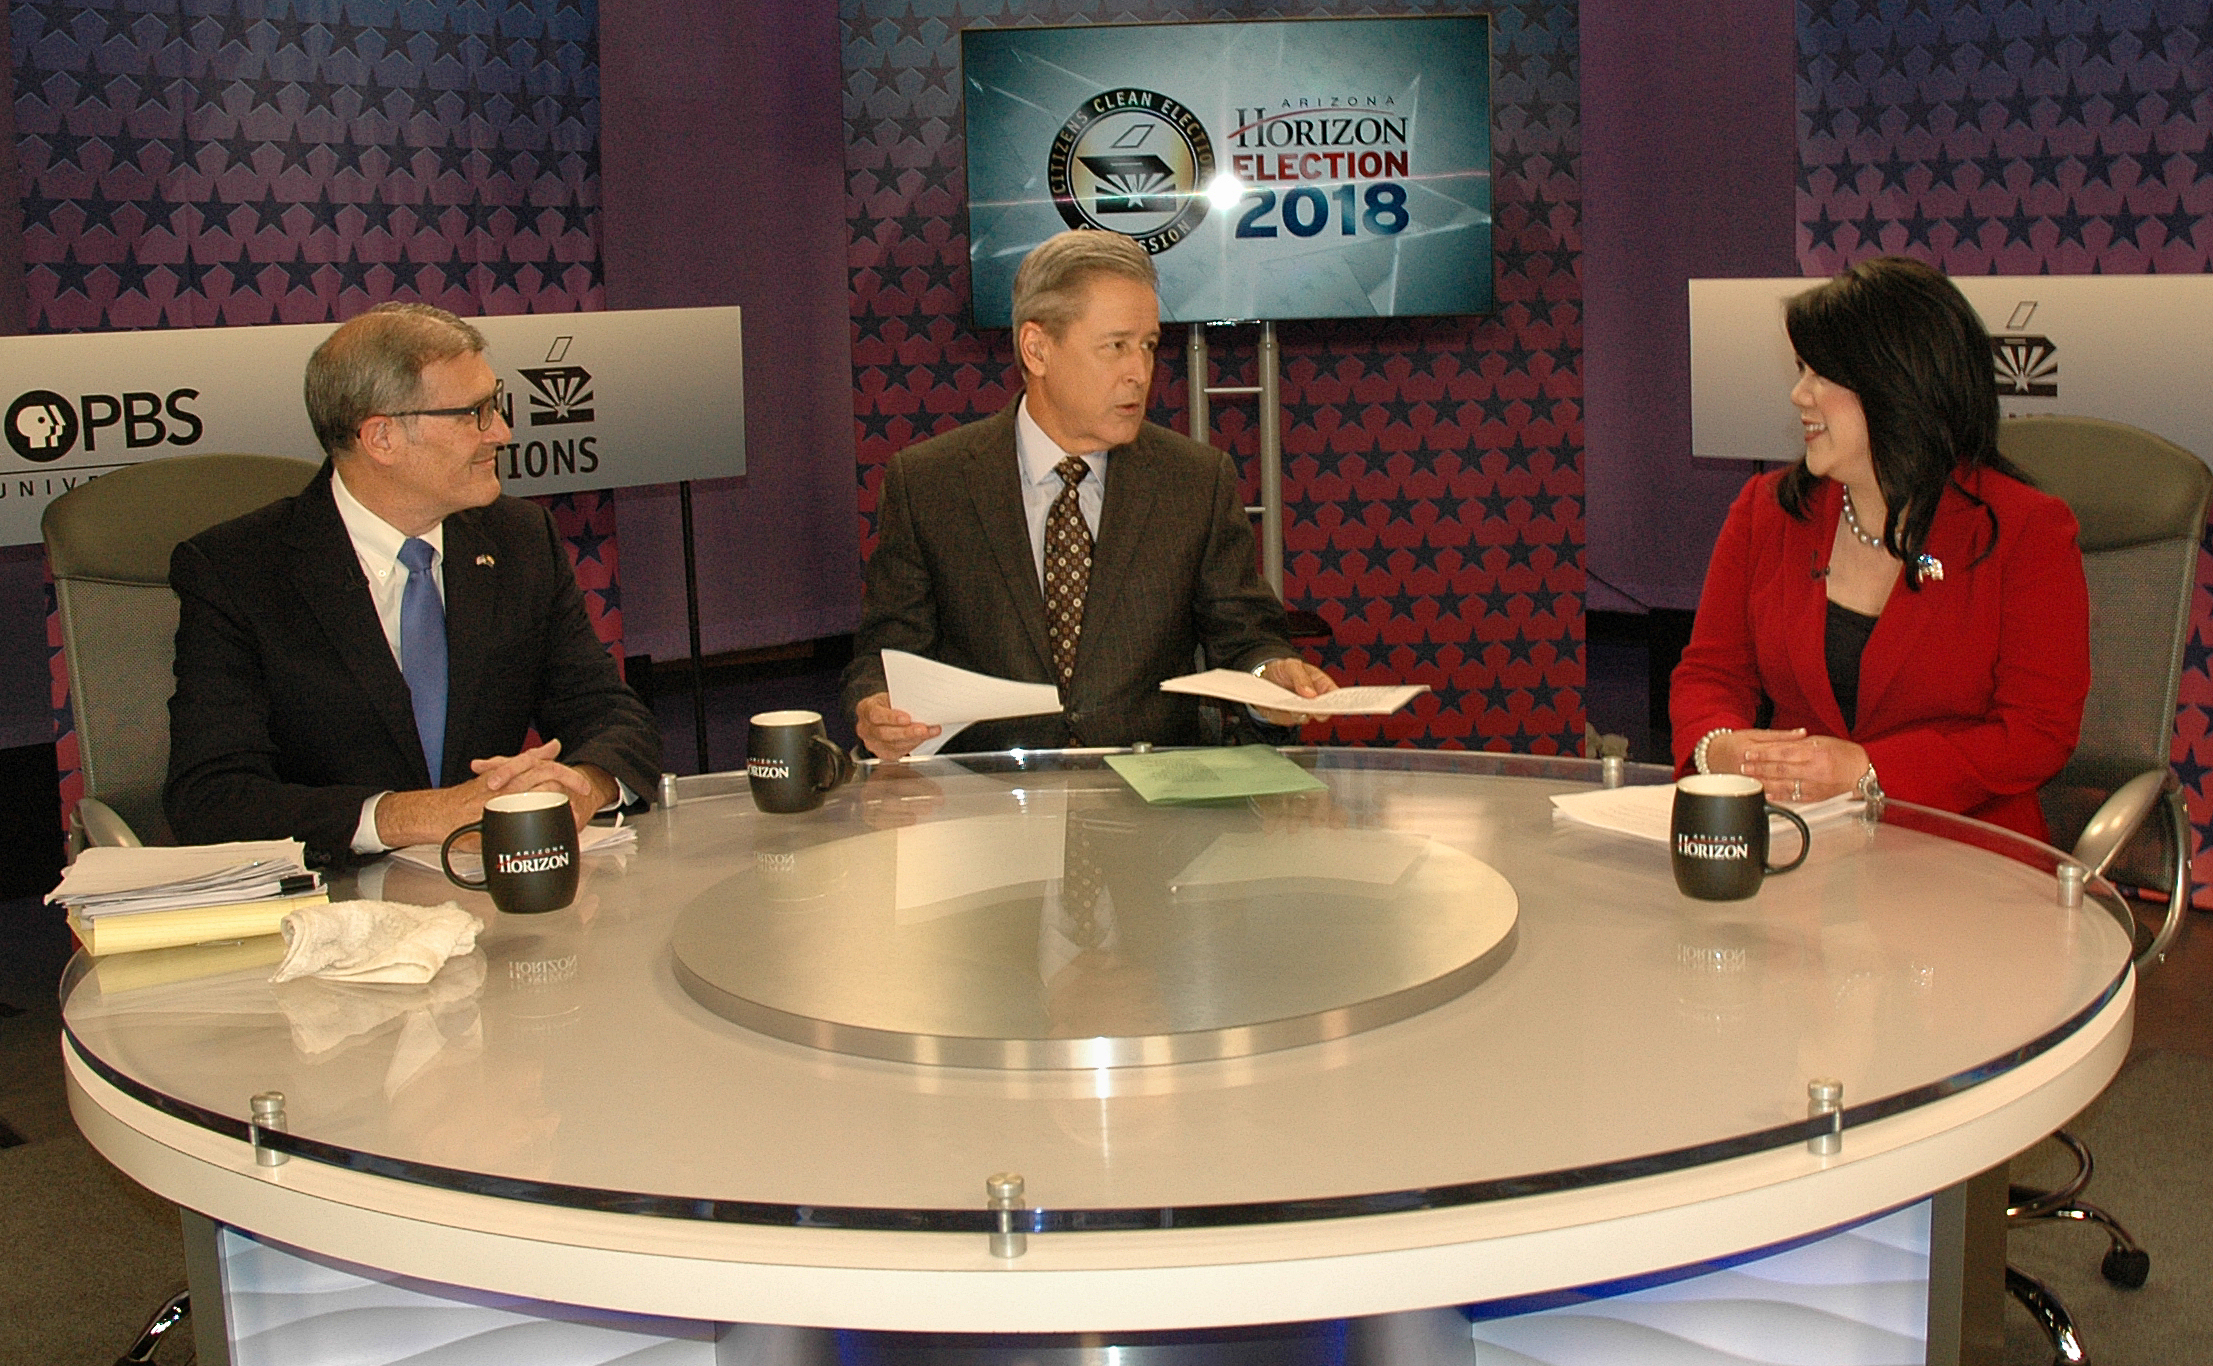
(1133, 162)
(42, 426)
(560, 394)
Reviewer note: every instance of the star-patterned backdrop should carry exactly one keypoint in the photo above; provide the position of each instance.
(1433, 468)
(198, 163)
(2020, 137)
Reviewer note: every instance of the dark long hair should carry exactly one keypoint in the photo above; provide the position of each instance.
(1901, 336)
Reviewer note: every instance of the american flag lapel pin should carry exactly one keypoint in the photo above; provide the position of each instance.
(486, 561)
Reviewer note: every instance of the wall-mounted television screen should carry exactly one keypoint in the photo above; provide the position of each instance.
(1298, 168)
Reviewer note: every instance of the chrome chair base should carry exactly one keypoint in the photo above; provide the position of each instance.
(173, 1311)
(2051, 1315)
(2126, 1265)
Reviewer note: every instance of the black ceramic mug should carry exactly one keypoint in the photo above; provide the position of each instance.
(529, 845)
(1719, 836)
(790, 762)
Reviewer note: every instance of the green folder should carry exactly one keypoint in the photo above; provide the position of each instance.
(1177, 777)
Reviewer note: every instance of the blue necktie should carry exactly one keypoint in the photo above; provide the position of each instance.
(423, 652)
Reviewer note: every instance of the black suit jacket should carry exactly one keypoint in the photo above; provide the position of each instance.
(290, 710)
(953, 579)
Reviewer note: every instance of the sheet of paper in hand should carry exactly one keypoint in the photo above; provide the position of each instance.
(1231, 685)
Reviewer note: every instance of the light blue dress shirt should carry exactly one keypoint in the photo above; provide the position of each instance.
(1041, 482)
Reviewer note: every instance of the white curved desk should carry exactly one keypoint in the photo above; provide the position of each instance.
(1622, 1095)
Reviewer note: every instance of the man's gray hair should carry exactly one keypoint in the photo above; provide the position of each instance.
(1048, 288)
(375, 364)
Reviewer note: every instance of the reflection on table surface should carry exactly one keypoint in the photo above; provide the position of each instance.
(1066, 925)
(1627, 1020)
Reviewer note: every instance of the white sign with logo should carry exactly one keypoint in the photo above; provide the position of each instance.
(2131, 348)
(596, 400)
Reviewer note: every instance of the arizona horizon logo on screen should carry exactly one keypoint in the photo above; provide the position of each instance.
(1134, 162)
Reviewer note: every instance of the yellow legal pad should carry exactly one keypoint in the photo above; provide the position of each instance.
(1181, 776)
(128, 933)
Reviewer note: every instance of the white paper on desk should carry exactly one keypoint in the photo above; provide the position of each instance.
(1647, 812)
(1232, 685)
(937, 694)
(592, 839)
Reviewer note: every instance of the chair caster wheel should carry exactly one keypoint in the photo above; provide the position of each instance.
(2127, 1267)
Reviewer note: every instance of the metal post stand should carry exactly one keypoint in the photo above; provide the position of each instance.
(691, 612)
(1269, 392)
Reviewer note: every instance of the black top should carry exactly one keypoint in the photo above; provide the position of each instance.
(1847, 639)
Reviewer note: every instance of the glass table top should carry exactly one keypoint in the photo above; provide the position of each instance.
(1609, 1028)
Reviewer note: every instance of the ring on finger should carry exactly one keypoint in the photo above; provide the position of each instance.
(1797, 790)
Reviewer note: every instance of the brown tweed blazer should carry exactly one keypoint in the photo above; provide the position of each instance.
(1173, 569)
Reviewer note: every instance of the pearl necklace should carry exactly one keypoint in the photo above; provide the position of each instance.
(1852, 520)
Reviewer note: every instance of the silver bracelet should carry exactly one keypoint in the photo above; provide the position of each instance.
(1698, 755)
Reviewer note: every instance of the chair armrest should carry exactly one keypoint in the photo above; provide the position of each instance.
(2119, 818)
(102, 827)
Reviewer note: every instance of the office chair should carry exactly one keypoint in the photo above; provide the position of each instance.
(2141, 505)
(108, 543)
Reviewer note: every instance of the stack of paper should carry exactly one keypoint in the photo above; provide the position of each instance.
(120, 900)
(1647, 812)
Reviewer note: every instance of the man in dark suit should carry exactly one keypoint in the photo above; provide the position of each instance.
(1067, 540)
(358, 666)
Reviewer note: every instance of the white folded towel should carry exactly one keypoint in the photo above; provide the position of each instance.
(374, 941)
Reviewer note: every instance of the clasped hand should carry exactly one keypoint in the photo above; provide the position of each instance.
(1791, 765)
(426, 817)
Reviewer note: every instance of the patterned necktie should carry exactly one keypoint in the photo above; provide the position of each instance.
(423, 652)
(1067, 569)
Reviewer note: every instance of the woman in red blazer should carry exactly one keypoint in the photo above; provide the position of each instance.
(1911, 606)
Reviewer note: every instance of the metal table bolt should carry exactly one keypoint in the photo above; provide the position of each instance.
(1825, 1096)
(1005, 1192)
(1613, 770)
(668, 792)
(2070, 885)
(268, 1111)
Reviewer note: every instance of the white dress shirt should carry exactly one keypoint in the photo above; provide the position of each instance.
(377, 544)
(1041, 482)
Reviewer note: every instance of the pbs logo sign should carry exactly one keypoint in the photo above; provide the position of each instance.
(43, 426)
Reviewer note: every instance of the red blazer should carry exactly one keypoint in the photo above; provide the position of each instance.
(1971, 690)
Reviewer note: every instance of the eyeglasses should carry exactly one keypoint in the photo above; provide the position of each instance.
(483, 411)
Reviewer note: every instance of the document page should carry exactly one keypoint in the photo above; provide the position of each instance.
(1170, 777)
(1232, 685)
(940, 695)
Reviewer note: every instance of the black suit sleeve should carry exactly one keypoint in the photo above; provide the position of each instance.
(582, 699)
(224, 782)
(898, 600)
